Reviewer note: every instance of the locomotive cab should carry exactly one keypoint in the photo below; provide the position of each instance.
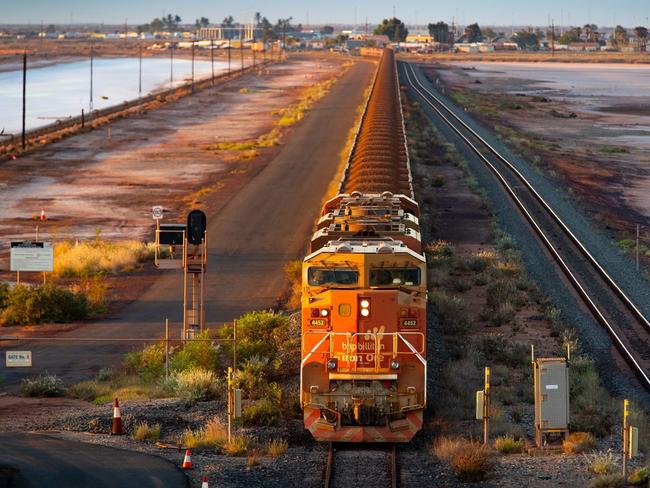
(363, 371)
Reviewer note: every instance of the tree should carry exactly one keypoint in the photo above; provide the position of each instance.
(267, 29)
(473, 33)
(641, 34)
(341, 38)
(327, 30)
(228, 22)
(591, 32)
(572, 35)
(50, 29)
(439, 32)
(526, 40)
(393, 28)
(620, 37)
(489, 33)
(202, 22)
(257, 18)
(284, 26)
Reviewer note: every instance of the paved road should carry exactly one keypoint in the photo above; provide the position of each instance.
(265, 225)
(44, 461)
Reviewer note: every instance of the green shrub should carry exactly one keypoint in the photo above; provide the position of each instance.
(149, 362)
(451, 312)
(238, 445)
(145, 432)
(640, 476)
(26, 305)
(508, 444)
(499, 350)
(262, 412)
(592, 408)
(257, 334)
(47, 385)
(193, 385)
(89, 390)
(195, 354)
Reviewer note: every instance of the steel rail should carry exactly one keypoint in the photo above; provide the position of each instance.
(627, 354)
(576, 241)
(328, 475)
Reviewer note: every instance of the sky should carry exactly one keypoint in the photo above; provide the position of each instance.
(628, 13)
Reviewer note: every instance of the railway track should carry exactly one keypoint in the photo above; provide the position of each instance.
(356, 466)
(626, 324)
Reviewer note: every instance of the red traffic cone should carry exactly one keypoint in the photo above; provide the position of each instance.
(117, 419)
(187, 460)
(43, 217)
(204, 483)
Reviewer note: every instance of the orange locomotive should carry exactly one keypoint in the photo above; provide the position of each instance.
(363, 370)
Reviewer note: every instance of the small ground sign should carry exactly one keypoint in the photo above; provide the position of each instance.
(19, 359)
(31, 256)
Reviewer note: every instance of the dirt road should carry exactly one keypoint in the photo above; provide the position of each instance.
(267, 223)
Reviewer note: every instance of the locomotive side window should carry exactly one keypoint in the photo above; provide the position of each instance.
(332, 276)
(394, 276)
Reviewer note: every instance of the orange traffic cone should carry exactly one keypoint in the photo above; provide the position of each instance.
(187, 461)
(117, 420)
(204, 483)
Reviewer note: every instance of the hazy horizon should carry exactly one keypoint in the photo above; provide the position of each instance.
(629, 13)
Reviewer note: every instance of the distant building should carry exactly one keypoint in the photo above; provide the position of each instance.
(584, 46)
(419, 38)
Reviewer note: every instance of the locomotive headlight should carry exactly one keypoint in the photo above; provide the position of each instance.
(324, 312)
(332, 363)
(365, 303)
(394, 364)
(365, 312)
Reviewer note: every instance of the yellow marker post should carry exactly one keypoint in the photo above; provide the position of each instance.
(626, 429)
(230, 409)
(486, 408)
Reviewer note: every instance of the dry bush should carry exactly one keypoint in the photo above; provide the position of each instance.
(91, 258)
(145, 432)
(293, 271)
(238, 446)
(212, 435)
(195, 384)
(444, 448)
(609, 481)
(472, 462)
(602, 462)
(277, 447)
(578, 442)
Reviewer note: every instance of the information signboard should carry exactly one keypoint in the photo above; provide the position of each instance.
(31, 256)
(18, 359)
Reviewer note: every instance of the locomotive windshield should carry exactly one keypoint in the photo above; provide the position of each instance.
(394, 276)
(333, 276)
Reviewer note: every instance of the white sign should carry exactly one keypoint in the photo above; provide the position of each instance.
(19, 359)
(31, 256)
(157, 212)
(552, 387)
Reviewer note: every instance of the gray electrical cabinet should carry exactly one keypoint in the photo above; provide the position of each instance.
(551, 383)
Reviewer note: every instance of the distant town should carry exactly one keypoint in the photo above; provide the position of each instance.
(171, 32)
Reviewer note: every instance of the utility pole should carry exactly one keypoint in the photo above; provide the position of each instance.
(92, 54)
(24, 95)
(42, 34)
(229, 53)
(171, 66)
(126, 31)
(139, 74)
(192, 66)
(212, 57)
(241, 47)
(552, 37)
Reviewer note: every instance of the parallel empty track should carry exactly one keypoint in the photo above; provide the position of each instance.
(628, 327)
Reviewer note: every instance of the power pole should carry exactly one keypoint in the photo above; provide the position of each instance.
(553, 38)
(126, 31)
(241, 47)
(139, 71)
(192, 66)
(24, 95)
(92, 53)
(171, 65)
(212, 57)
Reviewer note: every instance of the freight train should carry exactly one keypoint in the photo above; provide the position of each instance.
(363, 370)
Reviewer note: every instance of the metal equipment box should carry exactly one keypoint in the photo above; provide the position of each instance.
(551, 383)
